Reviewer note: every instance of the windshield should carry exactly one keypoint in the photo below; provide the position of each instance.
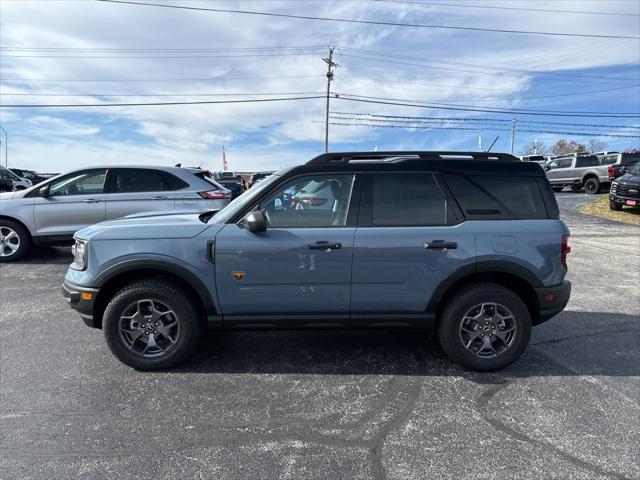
(636, 168)
(240, 202)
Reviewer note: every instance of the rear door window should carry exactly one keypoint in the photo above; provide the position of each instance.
(400, 199)
(582, 162)
(492, 197)
(133, 180)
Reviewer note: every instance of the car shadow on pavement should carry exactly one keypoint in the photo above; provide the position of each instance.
(46, 256)
(584, 343)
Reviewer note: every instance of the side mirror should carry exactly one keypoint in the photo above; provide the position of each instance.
(44, 191)
(547, 168)
(255, 222)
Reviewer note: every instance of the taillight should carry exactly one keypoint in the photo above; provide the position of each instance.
(610, 171)
(565, 249)
(215, 194)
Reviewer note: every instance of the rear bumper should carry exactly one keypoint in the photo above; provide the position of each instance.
(82, 300)
(552, 300)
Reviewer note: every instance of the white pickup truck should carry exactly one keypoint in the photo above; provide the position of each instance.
(577, 171)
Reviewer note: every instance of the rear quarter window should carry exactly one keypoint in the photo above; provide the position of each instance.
(498, 198)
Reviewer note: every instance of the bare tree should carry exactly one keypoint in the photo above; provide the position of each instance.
(562, 147)
(534, 148)
(596, 145)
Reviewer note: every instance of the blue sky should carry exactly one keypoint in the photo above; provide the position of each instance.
(130, 54)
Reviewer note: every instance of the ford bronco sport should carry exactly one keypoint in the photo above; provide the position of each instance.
(468, 243)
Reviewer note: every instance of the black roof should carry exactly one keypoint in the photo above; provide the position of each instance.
(470, 163)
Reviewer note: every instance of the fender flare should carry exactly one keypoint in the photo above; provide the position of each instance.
(484, 266)
(162, 266)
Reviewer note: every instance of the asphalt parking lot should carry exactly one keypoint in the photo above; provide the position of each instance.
(329, 405)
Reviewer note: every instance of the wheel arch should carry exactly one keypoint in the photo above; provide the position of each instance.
(514, 277)
(20, 222)
(115, 277)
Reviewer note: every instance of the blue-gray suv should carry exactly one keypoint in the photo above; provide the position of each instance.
(469, 243)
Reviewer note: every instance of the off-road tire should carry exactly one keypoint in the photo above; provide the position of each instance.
(179, 300)
(592, 185)
(465, 299)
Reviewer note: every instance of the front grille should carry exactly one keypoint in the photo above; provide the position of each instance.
(631, 191)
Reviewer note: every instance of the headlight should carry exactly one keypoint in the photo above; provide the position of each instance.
(614, 186)
(79, 251)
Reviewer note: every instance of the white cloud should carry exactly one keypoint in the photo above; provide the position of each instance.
(196, 132)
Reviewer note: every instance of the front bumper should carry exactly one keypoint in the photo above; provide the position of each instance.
(552, 300)
(634, 201)
(82, 300)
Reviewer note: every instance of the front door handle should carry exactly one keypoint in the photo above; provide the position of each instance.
(159, 197)
(92, 200)
(325, 246)
(440, 245)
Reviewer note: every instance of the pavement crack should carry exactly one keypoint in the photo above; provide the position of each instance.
(377, 442)
(595, 334)
(483, 401)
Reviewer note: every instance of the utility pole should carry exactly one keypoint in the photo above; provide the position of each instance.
(513, 134)
(330, 65)
(6, 149)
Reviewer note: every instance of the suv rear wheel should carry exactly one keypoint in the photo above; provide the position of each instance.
(14, 241)
(592, 185)
(484, 327)
(151, 324)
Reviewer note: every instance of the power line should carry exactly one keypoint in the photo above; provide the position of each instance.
(370, 22)
(472, 107)
(145, 104)
(468, 119)
(465, 87)
(40, 80)
(502, 111)
(486, 70)
(154, 94)
(474, 65)
(186, 49)
(509, 8)
(585, 134)
(180, 57)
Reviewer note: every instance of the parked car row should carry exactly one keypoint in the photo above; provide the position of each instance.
(17, 183)
(590, 172)
(51, 212)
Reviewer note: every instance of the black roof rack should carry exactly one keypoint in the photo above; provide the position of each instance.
(399, 156)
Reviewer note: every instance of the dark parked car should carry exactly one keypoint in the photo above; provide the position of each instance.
(232, 182)
(258, 177)
(29, 175)
(6, 184)
(619, 163)
(625, 190)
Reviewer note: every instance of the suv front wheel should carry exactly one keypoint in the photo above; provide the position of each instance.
(484, 327)
(151, 324)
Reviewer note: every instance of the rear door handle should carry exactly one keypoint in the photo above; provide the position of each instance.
(92, 200)
(159, 197)
(440, 245)
(325, 246)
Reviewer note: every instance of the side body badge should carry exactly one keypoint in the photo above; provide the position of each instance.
(238, 275)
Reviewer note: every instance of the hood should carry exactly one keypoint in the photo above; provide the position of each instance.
(7, 195)
(629, 178)
(147, 226)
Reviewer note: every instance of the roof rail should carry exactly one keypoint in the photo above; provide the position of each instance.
(398, 156)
